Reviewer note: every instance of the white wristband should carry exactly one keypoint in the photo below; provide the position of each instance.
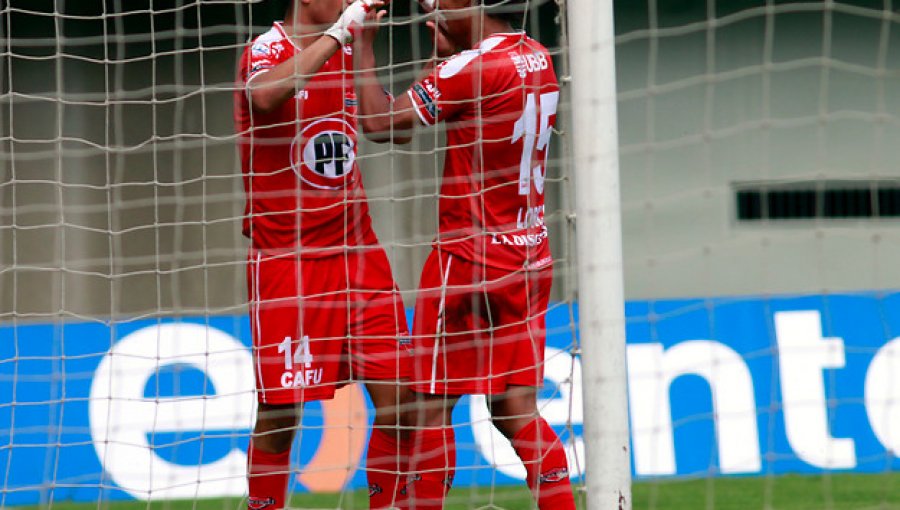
(354, 14)
(428, 5)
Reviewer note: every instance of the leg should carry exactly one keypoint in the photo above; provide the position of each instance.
(412, 450)
(514, 409)
(268, 457)
(446, 365)
(381, 358)
(388, 453)
(433, 462)
(277, 309)
(515, 414)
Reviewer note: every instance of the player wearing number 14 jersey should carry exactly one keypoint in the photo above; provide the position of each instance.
(483, 295)
(324, 308)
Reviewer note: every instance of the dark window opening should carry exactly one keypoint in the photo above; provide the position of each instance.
(818, 200)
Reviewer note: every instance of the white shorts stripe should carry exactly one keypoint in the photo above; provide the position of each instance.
(258, 301)
(438, 333)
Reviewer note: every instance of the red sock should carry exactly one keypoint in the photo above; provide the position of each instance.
(267, 478)
(385, 461)
(431, 467)
(545, 461)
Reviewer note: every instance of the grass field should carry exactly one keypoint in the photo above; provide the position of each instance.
(832, 492)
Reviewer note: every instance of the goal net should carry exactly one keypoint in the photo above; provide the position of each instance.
(125, 362)
(760, 236)
(759, 215)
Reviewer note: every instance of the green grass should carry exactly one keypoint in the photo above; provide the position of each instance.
(831, 492)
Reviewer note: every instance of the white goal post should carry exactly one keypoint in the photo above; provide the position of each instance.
(599, 253)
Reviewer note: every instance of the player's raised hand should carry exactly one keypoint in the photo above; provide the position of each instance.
(354, 14)
(364, 35)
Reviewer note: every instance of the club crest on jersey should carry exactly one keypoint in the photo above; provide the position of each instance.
(554, 475)
(323, 155)
(259, 503)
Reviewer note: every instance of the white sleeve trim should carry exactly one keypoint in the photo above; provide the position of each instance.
(416, 108)
(257, 73)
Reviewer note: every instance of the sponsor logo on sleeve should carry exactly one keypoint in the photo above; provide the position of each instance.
(260, 50)
(277, 48)
(427, 99)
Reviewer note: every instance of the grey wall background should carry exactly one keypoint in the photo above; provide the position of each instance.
(120, 193)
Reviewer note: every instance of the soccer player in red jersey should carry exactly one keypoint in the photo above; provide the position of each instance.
(324, 306)
(479, 320)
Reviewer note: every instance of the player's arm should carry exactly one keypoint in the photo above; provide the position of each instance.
(269, 89)
(383, 119)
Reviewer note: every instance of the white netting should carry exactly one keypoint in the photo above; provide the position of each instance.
(759, 214)
(759, 218)
(125, 369)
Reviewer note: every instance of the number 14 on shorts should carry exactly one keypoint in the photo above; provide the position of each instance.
(302, 359)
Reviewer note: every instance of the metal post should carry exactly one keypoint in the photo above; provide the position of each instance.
(599, 252)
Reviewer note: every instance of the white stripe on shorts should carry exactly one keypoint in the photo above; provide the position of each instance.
(258, 300)
(438, 334)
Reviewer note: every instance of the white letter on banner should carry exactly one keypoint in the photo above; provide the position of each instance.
(803, 354)
(494, 446)
(883, 395)
(651, 372)
(121, 417)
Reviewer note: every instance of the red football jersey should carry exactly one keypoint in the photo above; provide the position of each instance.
(499, 100)
(302, 182)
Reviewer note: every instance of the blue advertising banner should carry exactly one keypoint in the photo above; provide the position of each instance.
(163, 408)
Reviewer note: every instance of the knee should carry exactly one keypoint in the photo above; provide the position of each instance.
(387, 418)
(275, 427)
(390, 403)
(428, 412)
(511, 415)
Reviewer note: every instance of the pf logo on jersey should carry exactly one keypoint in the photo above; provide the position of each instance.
(329, 154)
(323, 155)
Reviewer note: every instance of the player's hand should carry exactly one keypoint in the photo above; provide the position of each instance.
(365, 35)
(442, 45)
(354, 14)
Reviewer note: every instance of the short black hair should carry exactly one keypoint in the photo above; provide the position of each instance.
(510, 11)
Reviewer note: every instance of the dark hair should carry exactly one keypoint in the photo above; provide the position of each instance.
(510, 11)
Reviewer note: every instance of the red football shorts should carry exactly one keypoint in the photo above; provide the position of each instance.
(319, 323)
(477, 329)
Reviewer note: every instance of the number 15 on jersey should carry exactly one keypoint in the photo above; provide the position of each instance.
(535, 141)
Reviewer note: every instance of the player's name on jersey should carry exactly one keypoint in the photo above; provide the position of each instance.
(520, 239)
(529, 217)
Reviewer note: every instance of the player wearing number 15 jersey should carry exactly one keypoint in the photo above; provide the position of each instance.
(324, 307)
(479, 319)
